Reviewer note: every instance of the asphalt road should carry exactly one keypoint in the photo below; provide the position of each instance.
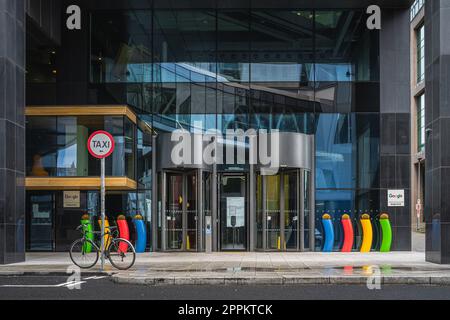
(55, 288)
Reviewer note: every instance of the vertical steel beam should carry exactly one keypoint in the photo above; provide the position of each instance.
(154, 230)
(200, 211)
(282, 213)
(252, 213)
(163, 211)
(214, 209)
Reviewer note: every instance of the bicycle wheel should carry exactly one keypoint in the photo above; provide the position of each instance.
(84, 253)
(121, 254)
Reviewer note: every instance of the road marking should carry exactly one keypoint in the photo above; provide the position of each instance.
(68, 284)
(95, 278)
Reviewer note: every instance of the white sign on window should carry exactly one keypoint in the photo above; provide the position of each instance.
(396, 198)
(71, 199)
(235, 212)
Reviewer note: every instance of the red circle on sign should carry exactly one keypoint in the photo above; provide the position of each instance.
(92, 136)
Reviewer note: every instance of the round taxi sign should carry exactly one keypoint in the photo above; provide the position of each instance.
(100, 144)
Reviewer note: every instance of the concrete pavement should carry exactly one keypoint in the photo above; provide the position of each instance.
(255, 268)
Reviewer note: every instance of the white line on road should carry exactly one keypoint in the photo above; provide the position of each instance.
(68, 284)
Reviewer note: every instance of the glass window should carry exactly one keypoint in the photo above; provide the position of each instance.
(345, 49)
(421, 123)
(144, 156)
(233, 46)
(57, 146)
(347, 151)
(416, 7)
(282, 48)
(420, 38)
(40, 221)
(41, 146)
(121, 46)
(184, 45)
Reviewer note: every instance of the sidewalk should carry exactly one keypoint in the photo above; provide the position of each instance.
(255, 267)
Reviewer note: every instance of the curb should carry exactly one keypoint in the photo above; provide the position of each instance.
(280, 280)
(51, 273)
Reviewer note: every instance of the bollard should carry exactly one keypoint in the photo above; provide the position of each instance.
(87, 229)
(367, 233)
(141, 234)
(328, 233)
(107, 237)
(124, 232)
(386, 233)
(348, 233)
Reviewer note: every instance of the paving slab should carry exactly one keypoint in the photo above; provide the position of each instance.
(253, 268)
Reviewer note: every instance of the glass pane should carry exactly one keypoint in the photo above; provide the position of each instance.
(345, 49)
(191, 212)
(273, 214)
(233, 212)
(40, 214)
(259, 212)
(291, 211)
(174, 211)
(121, 46)
(306, 207)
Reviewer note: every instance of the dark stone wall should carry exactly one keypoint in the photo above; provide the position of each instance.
(395, 132)
(437, 117)
(12, 131)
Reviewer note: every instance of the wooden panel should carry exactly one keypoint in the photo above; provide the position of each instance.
(88, 183)
(88, 110)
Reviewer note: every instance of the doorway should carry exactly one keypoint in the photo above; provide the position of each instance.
(181, 218)
(283, 211)
(233, 212)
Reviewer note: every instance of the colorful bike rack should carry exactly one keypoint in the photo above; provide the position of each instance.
(367, 233)
(386, 232)
(329, 233)
(141, 234)
(124, 232)
(348, 233)
(88, 231)
(107, 237)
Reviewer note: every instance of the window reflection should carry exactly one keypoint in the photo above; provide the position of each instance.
(57, 146)
(347, 151)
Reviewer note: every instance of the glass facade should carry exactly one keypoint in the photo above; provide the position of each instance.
(312, 72)
(51, 225)
(56, 146)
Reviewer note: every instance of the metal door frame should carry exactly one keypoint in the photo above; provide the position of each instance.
(219, 225)
(300, 191)
(184, 189)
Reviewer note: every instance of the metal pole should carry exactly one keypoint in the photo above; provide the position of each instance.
(102, 208)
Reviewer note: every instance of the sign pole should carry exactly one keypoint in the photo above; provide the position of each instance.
(101, 145)
(102, 208)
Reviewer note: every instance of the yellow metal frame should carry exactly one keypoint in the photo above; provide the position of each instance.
(80, 110)
(78, 183)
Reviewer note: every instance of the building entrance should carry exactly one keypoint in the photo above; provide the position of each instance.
(233, 212)
(283, 211)
(181, 222)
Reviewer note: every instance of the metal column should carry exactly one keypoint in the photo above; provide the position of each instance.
(282, 215)
(214, 207)
(154, 235)
(264, 212)
(252, 209)
(301, 208)
(200, 211)
(163, 212)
